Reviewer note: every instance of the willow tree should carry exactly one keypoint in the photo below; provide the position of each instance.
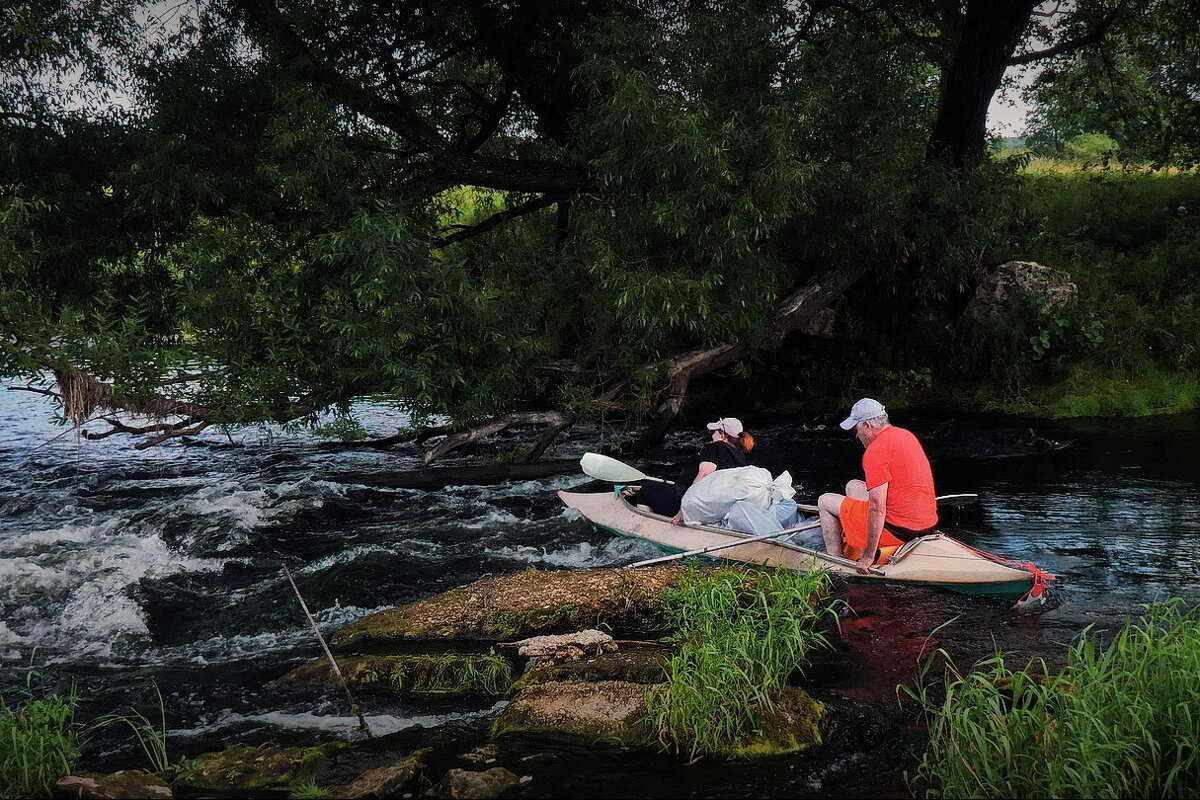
(504, 213)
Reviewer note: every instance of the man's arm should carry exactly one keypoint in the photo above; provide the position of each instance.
(876, 513)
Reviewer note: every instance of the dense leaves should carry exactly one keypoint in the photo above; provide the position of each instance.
(270, 208)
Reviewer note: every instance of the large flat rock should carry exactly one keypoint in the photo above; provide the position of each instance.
(532, 602)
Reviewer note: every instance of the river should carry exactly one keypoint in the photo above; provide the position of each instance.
(117, 566)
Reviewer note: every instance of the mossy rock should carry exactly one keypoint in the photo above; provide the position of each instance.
(428, 674)
(385, 781)
(633, 663)
(125, 785)
(525, 604)
(266, 766)
(792, 726)
(609, 711)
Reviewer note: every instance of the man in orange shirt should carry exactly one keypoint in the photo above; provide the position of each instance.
(896, 501)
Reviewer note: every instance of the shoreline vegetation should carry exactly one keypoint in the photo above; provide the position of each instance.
(1115, 721)
(1128, 235)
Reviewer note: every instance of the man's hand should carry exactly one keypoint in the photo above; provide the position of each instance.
(863, 565)
(677, 519)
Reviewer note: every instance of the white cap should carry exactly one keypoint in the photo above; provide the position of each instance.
(730, 425)
(863, 410)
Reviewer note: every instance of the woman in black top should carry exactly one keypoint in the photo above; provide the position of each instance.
(728, 448)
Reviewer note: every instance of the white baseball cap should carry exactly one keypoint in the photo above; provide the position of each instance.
(731, 426)
(863, 410)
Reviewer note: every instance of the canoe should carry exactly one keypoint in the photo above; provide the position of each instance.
(934, 560)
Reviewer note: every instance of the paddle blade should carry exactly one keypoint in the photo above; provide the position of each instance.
(957, 500)
(608, 469)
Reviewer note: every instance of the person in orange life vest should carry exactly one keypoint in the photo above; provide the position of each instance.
(896, 501)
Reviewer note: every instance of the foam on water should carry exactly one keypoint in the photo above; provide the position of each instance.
(67, 588)
(616, 551)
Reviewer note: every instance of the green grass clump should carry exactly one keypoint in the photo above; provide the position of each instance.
(742, 635)
(453, 674)
(1121, 721)
(39, 743)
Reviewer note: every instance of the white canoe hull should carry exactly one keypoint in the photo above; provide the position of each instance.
(936, 560)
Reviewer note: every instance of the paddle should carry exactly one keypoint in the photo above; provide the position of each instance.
(943, 501)
(604, 468)
(747, 540)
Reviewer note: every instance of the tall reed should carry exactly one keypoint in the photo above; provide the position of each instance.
(742, 635)
(1117, 721)
(151, 737)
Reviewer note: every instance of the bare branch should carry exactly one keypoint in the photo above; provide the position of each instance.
(528, 207)
(493, 426)
(1090, 38)
(35, 390)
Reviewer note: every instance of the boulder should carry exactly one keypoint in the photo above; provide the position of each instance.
(132, 784)
(525, 604)
(1014, 289)
(267, 766)
(383, 781)
(467, 785)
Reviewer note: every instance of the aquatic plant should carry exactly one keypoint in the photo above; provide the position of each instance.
(150, 736)
(1117, 721)
(306, 790)
(743, 632)
(39, 742)
(451, 673)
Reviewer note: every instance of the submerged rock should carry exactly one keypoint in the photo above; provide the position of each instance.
(267, 766)
(524, 604)
(131, 784)
(383, 781)
(466, 785)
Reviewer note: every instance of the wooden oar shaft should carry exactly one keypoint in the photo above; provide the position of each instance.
(713, 548)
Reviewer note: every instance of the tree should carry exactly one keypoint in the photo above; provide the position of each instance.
(1140, 85)
(500, 213)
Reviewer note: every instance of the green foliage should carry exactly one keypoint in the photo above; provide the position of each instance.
(151, 737)
(1117, 721)
(453, 674)
(39, 742)
(742, 634)
(1090, 147)
(306, 790)
(1136, 86)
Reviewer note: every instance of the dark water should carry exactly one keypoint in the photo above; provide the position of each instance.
(118, 566)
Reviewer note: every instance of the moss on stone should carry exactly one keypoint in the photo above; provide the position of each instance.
(440, 674)
(266, 766)
(632, 663)
(609, 711)
(524, 604)
(792, 726)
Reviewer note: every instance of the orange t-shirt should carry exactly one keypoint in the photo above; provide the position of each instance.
(897, 459)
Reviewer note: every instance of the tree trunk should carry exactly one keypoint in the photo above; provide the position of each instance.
(991, 32)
